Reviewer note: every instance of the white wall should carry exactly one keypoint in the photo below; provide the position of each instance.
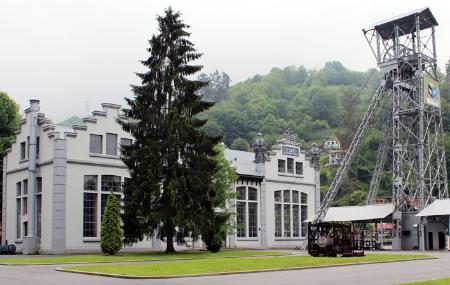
(79, 163)
(435, 228)
(78, 148)
(46, 173)
(17, 170)
(274, 181)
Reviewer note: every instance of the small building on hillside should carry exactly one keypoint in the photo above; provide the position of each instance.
(335, 157)
(277, 190)
(332, 143)
(333, 148)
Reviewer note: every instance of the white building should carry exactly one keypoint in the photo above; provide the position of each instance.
(77, 167)
(75, 170)
(335, 154)
(332, 143)
(277, 190)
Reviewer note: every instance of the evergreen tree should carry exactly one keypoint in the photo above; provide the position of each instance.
(170, 161)
(111, 233)
(216, 226)
(9, 123)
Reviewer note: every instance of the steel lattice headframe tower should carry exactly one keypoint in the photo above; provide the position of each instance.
(405, 49)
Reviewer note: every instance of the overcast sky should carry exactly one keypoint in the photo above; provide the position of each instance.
(70, 54)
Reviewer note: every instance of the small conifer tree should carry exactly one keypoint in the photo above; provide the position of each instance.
(111, 232)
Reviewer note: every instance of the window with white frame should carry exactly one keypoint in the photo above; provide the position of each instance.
(18, 210)
(281, 165)
(22, 207)
(95, 143)
(304, 213)
(299, 168)
(90, 206)
(111, 144)
(110, 183)
(23, 148)
(290, 165)
(24, 196)
(247, 212)
(94, 201)
(39, 206)
(290, 207)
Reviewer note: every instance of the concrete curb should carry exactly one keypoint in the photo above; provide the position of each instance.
(142, 260)
(235, 272)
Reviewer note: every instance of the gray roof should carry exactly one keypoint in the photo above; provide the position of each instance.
(437, 208)
(357, 213)
(242, 161)
(406, 23)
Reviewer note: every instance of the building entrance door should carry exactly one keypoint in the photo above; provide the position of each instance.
(441, 240)
(430, 240)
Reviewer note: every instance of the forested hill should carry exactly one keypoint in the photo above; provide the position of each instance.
(315, 104)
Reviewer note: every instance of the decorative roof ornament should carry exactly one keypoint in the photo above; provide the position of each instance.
(288, 137)
(259, 147)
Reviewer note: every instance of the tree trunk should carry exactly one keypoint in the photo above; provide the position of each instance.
(170, 248)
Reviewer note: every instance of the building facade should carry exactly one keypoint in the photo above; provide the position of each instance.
(74, 169)
(277, 190)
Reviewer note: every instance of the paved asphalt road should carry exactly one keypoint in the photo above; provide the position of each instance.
(386, 273)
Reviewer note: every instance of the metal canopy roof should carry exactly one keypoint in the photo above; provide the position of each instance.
(437, 208)
(357, 213)
(406, 23)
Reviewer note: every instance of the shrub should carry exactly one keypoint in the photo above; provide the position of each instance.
(111, 233)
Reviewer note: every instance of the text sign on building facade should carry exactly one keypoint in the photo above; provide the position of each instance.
(293, 151)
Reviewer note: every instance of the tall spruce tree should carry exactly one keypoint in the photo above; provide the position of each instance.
(170, 191)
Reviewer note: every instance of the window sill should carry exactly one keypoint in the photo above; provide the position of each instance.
(91, 239)
(27, 159)
(247, 239)
(290, 175)
(104, 155)
(289, 238)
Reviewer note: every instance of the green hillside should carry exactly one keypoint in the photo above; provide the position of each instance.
(71, 121)
(315, 104)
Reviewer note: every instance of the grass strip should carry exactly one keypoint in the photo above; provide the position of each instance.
(443, 281)
(236, 265)
(125, 257)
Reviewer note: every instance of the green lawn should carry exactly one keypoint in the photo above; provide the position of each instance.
(134, 257)
(203, 266)
(443, 281)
